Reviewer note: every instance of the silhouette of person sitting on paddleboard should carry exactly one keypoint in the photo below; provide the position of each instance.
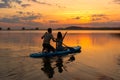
(59, 41)
(59, 64)
(46, 41)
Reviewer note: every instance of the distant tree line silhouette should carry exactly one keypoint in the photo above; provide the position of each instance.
(8, 28)
(0, 28)
(23, 28)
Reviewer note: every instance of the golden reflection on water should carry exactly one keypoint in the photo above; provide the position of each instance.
(101, 51)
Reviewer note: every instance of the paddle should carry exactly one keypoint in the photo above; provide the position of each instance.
(72, 49)
(65, 44)
(64, 35)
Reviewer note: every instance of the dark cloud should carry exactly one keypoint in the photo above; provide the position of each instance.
(20, 12)
(20, 18)
(17, 1)
(10, 1)
(60, 6)
(41, 2)
(106, 24)
(3, 5)
(25, 5)
(10, 20)
(7, 3)
(76, 18)
(25, 13)
(29, 18)
(117, 1)
(48, 4)
(53, 21)
(98, 17)
(96, 24)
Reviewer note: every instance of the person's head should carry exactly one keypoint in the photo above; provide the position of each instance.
(59, 35)
(50, 30)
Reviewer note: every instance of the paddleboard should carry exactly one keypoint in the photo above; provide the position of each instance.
(70, 50)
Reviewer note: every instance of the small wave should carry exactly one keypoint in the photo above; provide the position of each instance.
(105, 78)
(12, 74)
(118, 60)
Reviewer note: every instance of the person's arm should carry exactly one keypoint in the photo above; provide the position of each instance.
(43, 36)
(53, 38)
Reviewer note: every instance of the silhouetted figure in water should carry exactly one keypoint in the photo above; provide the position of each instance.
(47, 68)
(72, 58)
(59, 64)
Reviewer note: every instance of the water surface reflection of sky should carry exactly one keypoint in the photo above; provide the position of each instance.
(100, 51)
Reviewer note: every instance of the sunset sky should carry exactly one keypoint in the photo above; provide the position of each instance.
(59, 13)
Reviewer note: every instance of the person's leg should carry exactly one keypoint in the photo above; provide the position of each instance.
(51, 48)
(45, 47)
(48, 48)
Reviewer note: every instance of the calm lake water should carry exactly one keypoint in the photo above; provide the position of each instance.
(99, 58)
